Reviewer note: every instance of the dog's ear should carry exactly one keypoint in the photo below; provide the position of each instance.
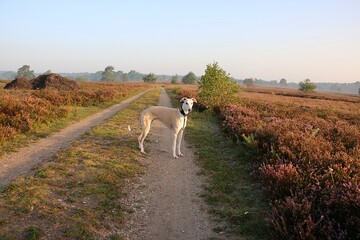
(183, 99)
(194, 100)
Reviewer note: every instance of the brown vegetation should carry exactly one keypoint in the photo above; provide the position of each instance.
(19, 83)
(47, 81)
(54, 81)
(300, 94)
(307, 156)
(21, 110)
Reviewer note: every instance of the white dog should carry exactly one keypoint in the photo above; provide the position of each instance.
(175, 119)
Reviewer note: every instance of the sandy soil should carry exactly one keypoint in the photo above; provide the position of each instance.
(164, 203)
(13, 165)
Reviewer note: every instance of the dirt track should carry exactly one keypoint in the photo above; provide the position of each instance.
(13, 165)
(165, 201)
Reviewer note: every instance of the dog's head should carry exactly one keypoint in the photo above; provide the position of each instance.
(187, 104)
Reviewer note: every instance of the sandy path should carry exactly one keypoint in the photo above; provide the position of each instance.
(13, 165)
(165, 202)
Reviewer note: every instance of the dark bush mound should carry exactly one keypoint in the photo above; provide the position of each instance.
(19, 83)
(54, 81)
(47, 81)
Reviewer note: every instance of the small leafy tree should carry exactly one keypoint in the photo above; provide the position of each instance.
(24, 71)
(175, 79)
(125, 77)
(118, 76)
(108, 75)
(249, 82)
(150, 78)
(189, 78)
(216, 87)
(307, 86)
(283, 82)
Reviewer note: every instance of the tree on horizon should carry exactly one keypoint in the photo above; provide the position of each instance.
(189, 78)
(25, 72)
(125, 77)
(249, 82)
(150, 78)
(108, 75)
(307, 86)
(175, 79)
(283, 82)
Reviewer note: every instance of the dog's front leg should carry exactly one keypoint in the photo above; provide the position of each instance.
(179, 138)
(175, 136)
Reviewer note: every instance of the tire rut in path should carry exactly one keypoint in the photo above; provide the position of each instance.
(13, 165)
(165, 202)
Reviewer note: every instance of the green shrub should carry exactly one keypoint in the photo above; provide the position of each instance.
(307, 86)
(216, 87)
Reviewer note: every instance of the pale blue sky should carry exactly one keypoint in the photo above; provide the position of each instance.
(316, 39)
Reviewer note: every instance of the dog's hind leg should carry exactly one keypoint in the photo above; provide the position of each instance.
(141, 138)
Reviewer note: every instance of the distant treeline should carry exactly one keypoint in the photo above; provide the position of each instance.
(132, 76)
(120, 76)
(349, 88)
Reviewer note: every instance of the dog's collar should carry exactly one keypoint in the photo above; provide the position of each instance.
(182, 112)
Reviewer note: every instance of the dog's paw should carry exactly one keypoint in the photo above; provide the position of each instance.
(175, 157)
(180, 155)
(142, 151)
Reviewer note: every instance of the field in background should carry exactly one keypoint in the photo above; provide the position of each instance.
(307, 157)
(296, 93)
(28, 114)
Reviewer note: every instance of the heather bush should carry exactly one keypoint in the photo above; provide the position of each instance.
(291, 219)
(6, 132)
(308, 159)
(21, 110)
(283, 179)
(22, 113)
(50, 95)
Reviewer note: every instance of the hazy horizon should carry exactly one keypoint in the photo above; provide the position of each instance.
(268, 40)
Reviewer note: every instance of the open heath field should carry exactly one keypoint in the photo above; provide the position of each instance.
(26, 115)
(306, 153)
(274, 161)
